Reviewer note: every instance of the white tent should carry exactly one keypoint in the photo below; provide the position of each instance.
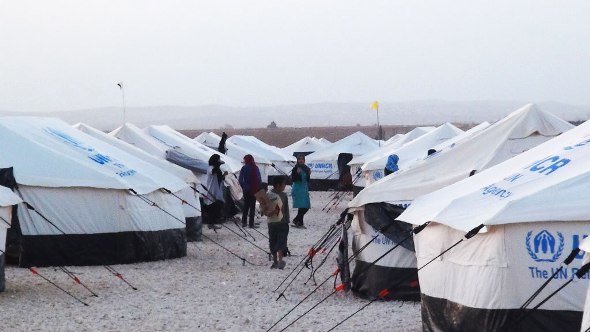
(323, 162)
(83, 186)
(7, 200)
(189, 177)
(306, 145)
(283, 162)
(585, 247)
(323, 141)
(209, 139)
(519, 131)
(238, 152)
(177, 141)
(409, 136)
(372, 163)
(535, 209)
(464, 135)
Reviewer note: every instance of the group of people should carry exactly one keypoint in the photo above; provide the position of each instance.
(274, 204)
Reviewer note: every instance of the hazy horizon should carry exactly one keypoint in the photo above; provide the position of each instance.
(68, 55)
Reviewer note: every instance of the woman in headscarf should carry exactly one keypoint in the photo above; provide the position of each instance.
(214, 199)
(391, 166)
(250, 182)
(300, 191)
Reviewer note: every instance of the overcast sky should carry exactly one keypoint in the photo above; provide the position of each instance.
(61, 55)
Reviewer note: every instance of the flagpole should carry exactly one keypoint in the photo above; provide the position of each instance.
(378, 128)
(120, 84)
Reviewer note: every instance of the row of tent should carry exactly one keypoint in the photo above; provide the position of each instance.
(504, 204)
(74, 195)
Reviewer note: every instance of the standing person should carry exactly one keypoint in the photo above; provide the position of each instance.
(214, 199)
(299, 191)
(250, 182)
(391, 166)
(275, 206)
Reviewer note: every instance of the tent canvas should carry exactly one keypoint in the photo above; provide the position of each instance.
(283, 162)
(534, 207)
(306, 145)
(323, 162)
(186, 194)
(519, 131)
(7, 200)
(372, 163)
(82, 185)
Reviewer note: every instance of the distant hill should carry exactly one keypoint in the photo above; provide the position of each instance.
(309, 115)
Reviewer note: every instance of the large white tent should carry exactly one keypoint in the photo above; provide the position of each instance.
(283, 162)
(521, 130)
(93, 194)
(372, 163)
(401, 139)
(7, 200)
(535, 211)
(585, 247)
(324, 162)
(464, 135)
(179, 142)
(187, 194)
(305, 146)
(238, 152)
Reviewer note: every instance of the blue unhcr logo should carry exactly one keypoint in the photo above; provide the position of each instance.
(377, 175)
(544, 247)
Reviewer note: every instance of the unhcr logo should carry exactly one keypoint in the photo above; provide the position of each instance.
(544, 247)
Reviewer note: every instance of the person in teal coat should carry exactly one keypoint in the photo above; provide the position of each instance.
(300, 191)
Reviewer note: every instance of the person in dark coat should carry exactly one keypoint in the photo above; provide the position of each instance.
(214, 199)
(249, 181)
(300, 176)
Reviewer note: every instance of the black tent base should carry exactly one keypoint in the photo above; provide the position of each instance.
(368, 282)
(444, 315)
(102, 248)
(194, 229)
(2, 276)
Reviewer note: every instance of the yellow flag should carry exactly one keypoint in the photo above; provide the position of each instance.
(375, 105)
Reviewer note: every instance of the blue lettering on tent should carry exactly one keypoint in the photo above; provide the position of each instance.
(576, 243)
(582, 143)
(496, 191)
(513, 177)
(92, 154)
(548, 165)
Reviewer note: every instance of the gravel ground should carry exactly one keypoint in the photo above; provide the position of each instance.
(208, 290)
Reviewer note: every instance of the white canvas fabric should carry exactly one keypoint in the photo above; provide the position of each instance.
(47, 152)
(175, 140)
(139, 138)
(323, 163)
(237, 152)
(306, 144)
(169, 167)
(548, 182)
(409, 136)
(363, 233)
(283, 162)
(90, 211)
(463, 136)
(501, 268)
(209, 139)
(192, 209)
(585, 246)
(523, 129)
(372, 164)
(8, 198)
